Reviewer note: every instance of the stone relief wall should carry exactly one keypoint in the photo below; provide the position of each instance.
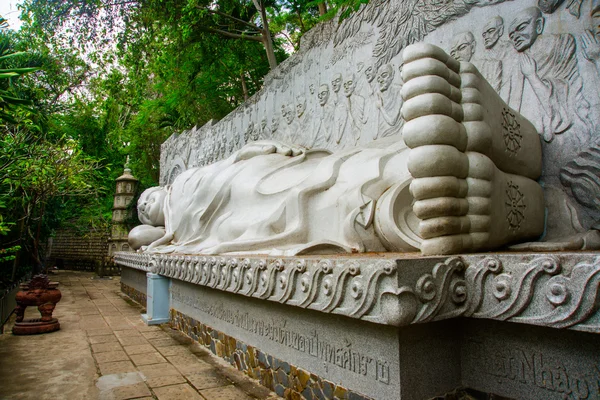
(342, 89)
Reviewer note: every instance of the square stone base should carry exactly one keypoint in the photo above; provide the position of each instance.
(301, 352)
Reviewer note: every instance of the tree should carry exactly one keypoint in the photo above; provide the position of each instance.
(38, 164)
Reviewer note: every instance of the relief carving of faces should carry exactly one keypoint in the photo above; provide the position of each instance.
(596, 22)
(150, 206)
(349, 86)
(311, 88)
(463, 46)
(370, 73)
(525, 29)
(323, 94)
(385, 76)
(300, 105)
(274, 123)
(287, 114)
(336, 83)
(263, 123)
(492, 31)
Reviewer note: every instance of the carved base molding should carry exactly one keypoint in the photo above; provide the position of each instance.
(558, 290)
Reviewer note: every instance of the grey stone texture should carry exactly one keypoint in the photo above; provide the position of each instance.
(345, 84)
(134, 278)
(550, 289)
(527, 362)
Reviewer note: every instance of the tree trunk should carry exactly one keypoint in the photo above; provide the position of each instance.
(244, 87)
(266, 35)
(37, 268)
(322, 8)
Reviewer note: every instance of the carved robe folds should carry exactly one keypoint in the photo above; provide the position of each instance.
(459, 178)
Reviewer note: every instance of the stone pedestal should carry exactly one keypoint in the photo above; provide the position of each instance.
(394, 326)
(157, 303)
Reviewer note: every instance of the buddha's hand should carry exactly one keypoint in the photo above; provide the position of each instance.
(265, 147)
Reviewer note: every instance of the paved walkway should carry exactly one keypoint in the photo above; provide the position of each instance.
(104, 351)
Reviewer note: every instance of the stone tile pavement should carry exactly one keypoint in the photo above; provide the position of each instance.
(104, 351)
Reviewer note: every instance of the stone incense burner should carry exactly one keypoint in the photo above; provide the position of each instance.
(44, 294)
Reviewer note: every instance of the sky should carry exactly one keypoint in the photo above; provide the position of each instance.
(8, 9)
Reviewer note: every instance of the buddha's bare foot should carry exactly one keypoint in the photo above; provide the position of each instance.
(438, 140)
(463, 200)
(503, 208)
(496, 130)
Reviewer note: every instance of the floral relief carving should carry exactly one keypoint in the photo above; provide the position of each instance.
(511, 131)
(515, 203)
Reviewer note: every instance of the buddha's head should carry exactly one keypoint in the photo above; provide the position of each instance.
(150, 206)
(525, 29)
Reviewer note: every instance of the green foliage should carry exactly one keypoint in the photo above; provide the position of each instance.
(9, 253)
(84, 85)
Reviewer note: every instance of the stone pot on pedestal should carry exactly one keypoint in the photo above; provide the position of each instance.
(40, 292)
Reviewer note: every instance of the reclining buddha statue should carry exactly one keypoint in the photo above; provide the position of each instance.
(460, 178)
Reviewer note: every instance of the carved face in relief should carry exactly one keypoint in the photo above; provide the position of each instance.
(150, 206)
(463, 46)
(323, 94)
(370, 73)
(300, 105)
(349, 86)
(263, 123)
(595, 14)
(549, 6)
(287, 114)
(492, 31)
(336, 83)
(525, 29)
(311, 88)
(274, 123)
(385, 76)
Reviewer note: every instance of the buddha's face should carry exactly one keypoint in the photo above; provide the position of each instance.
(385, 77)
(150, 207)
(463, 47)
(323, 94)
(274, 123)
(336, 83)
(525, 29)
(492, 32)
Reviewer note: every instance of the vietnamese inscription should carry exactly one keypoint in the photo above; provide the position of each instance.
(341, 355)
(535, 369)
